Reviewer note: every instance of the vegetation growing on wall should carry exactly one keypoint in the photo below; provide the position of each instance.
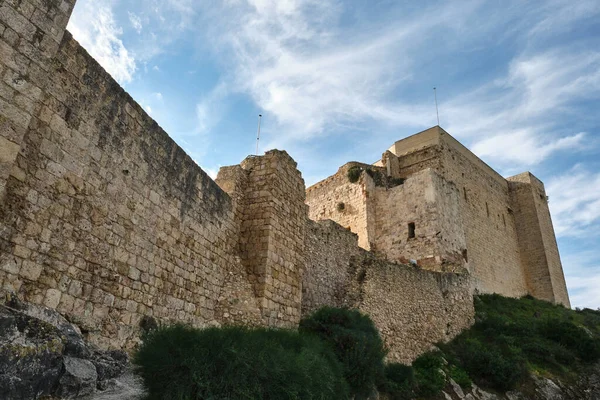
(354, 173)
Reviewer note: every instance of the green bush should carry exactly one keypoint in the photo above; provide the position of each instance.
(460, 376)
(429, 377)
(396, 181)
(183, 363)
(399, 382)
(356, 343)
(492, 367)
(354, 173)
(572, 337)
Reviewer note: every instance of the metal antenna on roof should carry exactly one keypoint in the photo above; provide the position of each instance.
(258, 134)
(436, 106)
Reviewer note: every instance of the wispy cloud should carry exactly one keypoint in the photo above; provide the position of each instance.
(136, 22)
(575, 201)
(94, 26)
(210, 109)
(303, 69)
(582, 271)
(512, 120)
(525, 146)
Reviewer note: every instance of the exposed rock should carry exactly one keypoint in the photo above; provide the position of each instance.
(110, 364)
(79, 378)
(587, 387)
(42, 354)
(456, 388)
(127, 387)
(30, 356)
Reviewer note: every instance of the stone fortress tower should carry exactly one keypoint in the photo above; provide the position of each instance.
(431, 200)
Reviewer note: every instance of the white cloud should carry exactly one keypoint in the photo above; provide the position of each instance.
(210, 109)
(148, 109)
(158, 96)
(524, 146)
(575, 202)
(511, 120)
(94, 27)
(212, 172)
(582, 273)
(136, 22)
(313, 76)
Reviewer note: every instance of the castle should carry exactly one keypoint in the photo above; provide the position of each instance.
(431, 200)
(104, 218)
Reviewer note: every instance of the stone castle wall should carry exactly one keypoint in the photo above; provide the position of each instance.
(105, 218)
(271, 240)
(346, 203)
(412, 307)
(539, 251)
(465, 215)
(30, 33)
(490, 226)
(433, 206)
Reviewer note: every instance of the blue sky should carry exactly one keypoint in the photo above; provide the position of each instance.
(518, 82)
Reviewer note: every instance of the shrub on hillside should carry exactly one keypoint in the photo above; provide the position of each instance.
(183, 363)
(573, 337)
(399, 382)
(489, 365)
(429, 377)
(356, 343)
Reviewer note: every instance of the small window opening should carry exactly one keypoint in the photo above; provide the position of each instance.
(411, 230)
(465, 255)
(504, 220)
(487, 209)
(465, 193)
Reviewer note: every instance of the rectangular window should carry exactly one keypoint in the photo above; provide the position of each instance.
(487, 209)
(411, 230)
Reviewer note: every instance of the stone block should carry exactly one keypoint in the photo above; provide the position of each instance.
(52, 298)
(30, 270)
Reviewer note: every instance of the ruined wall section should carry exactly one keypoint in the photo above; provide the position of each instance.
(431, 205)
(346, 203)
(329, 248)
(537, 242)
(30, 33)
(272, 235)
(412, 308)
(108, 220)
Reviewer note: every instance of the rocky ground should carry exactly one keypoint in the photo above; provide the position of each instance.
(587, 387)
(42, 355)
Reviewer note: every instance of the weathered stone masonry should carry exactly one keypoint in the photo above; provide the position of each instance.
(104, 218)
(411, 306)
(463, 216)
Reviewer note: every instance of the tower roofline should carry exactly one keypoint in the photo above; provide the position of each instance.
(432, 136)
